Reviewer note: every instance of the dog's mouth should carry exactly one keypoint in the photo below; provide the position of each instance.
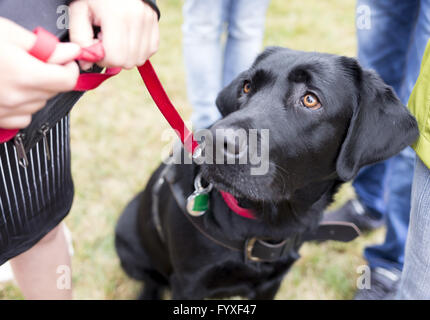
(238, 163)
(243, 201)
(242, 190)
(216, 179)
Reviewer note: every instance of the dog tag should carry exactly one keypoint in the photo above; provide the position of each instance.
(198, 201)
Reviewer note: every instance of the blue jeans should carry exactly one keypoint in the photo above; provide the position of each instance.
(392, 43)
(209, 64)
(415, 283)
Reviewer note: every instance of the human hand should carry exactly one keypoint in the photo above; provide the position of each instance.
(26, 83)
(129, 30)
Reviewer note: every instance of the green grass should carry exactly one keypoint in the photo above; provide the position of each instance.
(116, 146)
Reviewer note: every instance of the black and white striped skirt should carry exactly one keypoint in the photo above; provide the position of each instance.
(35, 199)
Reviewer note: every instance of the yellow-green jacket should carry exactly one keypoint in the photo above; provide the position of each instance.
(419, 105)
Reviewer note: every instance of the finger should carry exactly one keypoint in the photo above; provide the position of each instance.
(55, 78)
(14, 33)
(136, 36)
(64, 53)
(150, 45)
(81, 30)
(23, 110)
(155, 38)
(145, 42)
(30, 108)
(114, 43)
(18, 122)
(34, 75)
(25, 40)
(139, 35)
(25, 96)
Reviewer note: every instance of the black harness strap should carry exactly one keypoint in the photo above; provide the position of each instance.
(155, 202)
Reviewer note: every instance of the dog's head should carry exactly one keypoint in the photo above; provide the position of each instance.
(325, 118)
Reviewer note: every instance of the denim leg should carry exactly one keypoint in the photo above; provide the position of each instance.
(415, 283)
(202, 29)
(382, 45)
(417, 47)
(369, 187)
(399, 177)
(399, 174)
(246, 20)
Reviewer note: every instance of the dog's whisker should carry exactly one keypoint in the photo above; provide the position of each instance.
(284, 183)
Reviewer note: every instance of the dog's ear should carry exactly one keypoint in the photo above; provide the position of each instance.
(380, 127)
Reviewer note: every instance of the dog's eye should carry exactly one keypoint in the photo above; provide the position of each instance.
(246, 87)
(311, 101)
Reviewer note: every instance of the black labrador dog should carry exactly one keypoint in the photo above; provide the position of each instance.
(327, 117)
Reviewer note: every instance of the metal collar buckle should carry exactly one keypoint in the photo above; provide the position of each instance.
(249, 247)
(269, 252)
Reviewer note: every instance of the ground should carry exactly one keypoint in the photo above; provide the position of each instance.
(117, 143)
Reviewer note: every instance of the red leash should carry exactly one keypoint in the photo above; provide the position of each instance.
(44, 47)
(166, 107)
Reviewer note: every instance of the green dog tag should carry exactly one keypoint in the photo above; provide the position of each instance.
(198, 203)
(201, 202)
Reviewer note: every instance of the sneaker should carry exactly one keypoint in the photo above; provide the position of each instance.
(355, 212)
(383, 285)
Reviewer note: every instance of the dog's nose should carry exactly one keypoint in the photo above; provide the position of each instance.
(235, 143)
(233, 146)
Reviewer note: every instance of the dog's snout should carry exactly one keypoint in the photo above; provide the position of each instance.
(231, 142)
(234, 145)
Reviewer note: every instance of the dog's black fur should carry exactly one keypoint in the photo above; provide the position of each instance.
(361, 121)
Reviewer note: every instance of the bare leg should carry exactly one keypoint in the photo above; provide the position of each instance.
(44, 271)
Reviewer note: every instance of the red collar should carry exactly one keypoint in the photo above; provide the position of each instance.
(232, 203)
